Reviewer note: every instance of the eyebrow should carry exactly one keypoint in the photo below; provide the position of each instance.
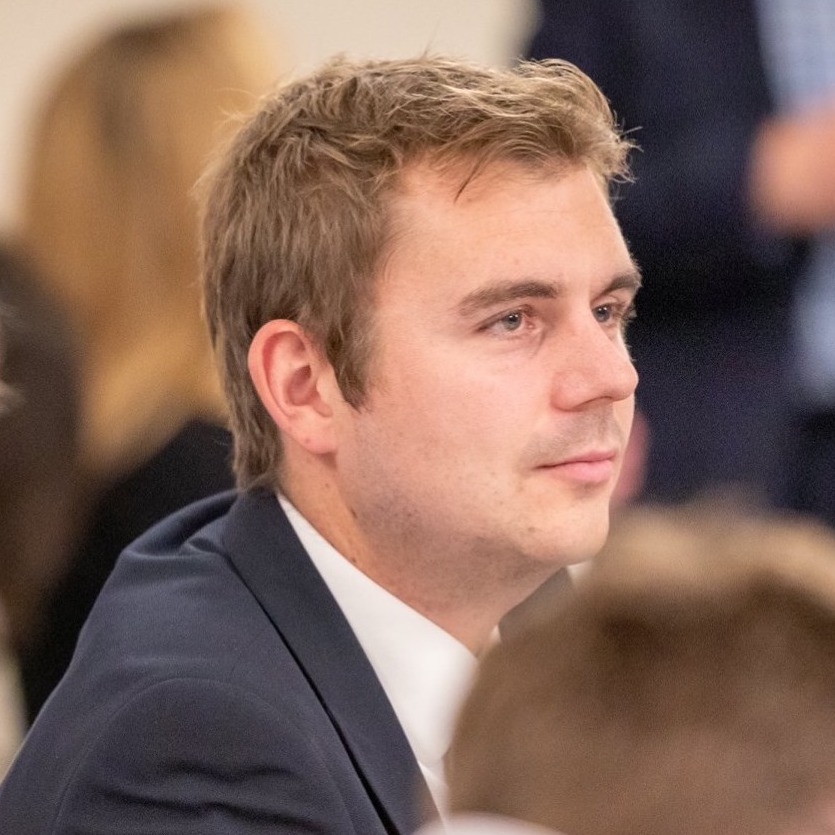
(501, 292)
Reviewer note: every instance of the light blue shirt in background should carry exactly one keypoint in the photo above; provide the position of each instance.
(798, 47)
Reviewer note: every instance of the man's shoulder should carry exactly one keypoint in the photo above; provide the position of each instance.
(181, 676)
(203, 595)
(215, 654)
(221, 524)
(182, 583)
(205, 516)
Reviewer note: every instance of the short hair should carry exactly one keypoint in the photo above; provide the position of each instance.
(111, 222)
(296, 222)
(699, 704)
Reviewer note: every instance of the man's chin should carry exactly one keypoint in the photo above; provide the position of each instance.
(581, 548)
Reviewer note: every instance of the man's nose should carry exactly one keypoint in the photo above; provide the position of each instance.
(595, 367)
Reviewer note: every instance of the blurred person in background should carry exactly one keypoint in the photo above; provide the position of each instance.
(40, 495)
(733, 106)
(41, 490)
(687, 687)
(110, 222)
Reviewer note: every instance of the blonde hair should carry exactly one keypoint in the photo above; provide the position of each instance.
(109, 219)
(296, 220)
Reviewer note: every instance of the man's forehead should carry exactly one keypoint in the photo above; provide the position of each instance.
(465, 178)
(428, 188)
(429, 212)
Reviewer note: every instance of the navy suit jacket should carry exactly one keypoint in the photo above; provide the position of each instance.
(216, 688)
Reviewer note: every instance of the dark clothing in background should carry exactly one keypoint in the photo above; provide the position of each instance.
(42, 492)
(711, 341)
(811, 467)
(193, 465)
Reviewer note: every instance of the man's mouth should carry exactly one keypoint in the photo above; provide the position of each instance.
(594, 466)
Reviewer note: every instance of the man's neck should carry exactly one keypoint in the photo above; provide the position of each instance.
(427, 579)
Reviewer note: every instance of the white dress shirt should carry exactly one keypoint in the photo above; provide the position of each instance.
(480, 824)
(424, 671)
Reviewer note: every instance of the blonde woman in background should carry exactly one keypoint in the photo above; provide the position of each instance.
(109, 217)
(110, 222)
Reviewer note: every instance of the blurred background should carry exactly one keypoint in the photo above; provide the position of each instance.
(38, 36)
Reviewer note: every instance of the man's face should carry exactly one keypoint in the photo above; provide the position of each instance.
(501, 392)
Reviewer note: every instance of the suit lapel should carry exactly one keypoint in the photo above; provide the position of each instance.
(275, 567)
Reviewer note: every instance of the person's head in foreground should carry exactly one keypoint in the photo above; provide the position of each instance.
(688, 690)
(418, 294)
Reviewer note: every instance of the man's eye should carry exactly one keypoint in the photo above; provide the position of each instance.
(618, 315)
(512, 321)
(619, 312)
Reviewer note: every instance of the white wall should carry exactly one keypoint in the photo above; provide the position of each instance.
(36, 37)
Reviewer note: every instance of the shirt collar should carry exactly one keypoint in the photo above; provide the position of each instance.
(424, 671)
(483, 824)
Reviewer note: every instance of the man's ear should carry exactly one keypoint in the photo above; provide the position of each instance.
(295, 383)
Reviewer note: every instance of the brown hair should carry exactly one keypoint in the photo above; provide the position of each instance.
(698, 702)
(296, 222)
(112, 226)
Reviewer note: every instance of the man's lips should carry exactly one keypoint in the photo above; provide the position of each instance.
(593, 466)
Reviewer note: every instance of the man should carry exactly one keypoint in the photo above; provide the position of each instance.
(418, 294)
(686, 688)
